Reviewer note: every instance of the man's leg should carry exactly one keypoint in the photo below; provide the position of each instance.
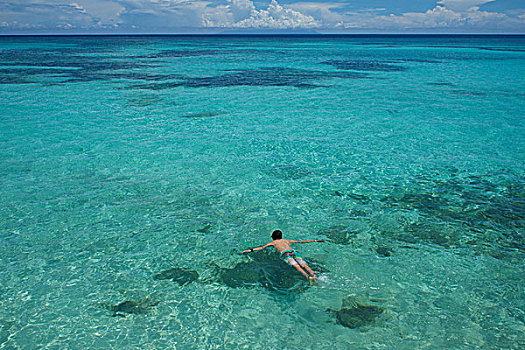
(292, 262)
(303, 264)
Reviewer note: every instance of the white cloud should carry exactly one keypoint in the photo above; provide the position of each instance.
(39, 14)
(241, 9)
(462, 5)
(323, 12)
(438, 18)
(170, 15)
(479, 18)
(243, 14)
(103, 11)
(279, 17)
(78, 7)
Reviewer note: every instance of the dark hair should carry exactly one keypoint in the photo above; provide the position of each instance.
(277, 234)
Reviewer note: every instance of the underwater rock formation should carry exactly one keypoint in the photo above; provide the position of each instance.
(181, 53)
(366, 65)
(179, 275)
(383, 250)
(266, 76)
(6, 329)
(354, 314)
(205, 229)
(288, 172)
(131, 307)
(359, 198)
(197, 115)
(462, 211)
(143, 100)
(338, 234)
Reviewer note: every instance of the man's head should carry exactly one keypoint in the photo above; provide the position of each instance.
(277, 234)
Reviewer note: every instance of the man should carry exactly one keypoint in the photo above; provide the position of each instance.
(288, 254)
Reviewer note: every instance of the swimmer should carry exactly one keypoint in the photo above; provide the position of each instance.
(288, 254)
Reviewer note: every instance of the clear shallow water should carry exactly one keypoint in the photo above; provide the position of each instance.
(125, 157)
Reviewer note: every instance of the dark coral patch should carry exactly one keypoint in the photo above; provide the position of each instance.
(132, 307)
(416, 60)
(354, 314)
(383, 250)
(181, 53)
(353, 196)
(441, 83)
(366, 65)
(275, 76)
(500, 49)
(288, 172)
(143, 100)
(463, 92)
(205, 229)
(202, 115)
(461, 212)
(338, 234)
(74, 65)
(12, 79)
(6, 329)
(178, 275)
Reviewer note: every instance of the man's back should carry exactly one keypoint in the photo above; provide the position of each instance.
(282, 244)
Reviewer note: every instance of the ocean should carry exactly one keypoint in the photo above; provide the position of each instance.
(136, 169)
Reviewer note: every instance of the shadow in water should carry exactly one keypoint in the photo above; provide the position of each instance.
(354, 313)
(178, 275)
(268, 271)
(128, 307)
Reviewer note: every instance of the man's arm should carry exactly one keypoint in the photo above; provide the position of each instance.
(258, 248)
(308, 241)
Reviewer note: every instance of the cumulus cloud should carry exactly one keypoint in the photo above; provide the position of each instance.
(324, 12)
(241, 9)
(277, 16)
(462, 5)
(438, 18)
(245, 15)
(34, 14)
(447, 15)
(163, 14)
(172, 15)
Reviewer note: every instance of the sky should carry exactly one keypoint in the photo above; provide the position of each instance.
(232, 16)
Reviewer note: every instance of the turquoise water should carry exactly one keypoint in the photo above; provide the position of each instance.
(136, 169)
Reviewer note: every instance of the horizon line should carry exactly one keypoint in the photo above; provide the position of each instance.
(261, 34)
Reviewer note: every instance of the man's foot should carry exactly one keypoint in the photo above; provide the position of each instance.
(312, 280)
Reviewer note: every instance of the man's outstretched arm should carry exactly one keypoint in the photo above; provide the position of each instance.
(308, 241)
(258, 248)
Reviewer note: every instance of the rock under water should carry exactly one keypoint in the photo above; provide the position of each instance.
(132, 307)
(354, 314)
(178, 275)
(383, 250)
(338, 234)
(481, 213)
(208, 114)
